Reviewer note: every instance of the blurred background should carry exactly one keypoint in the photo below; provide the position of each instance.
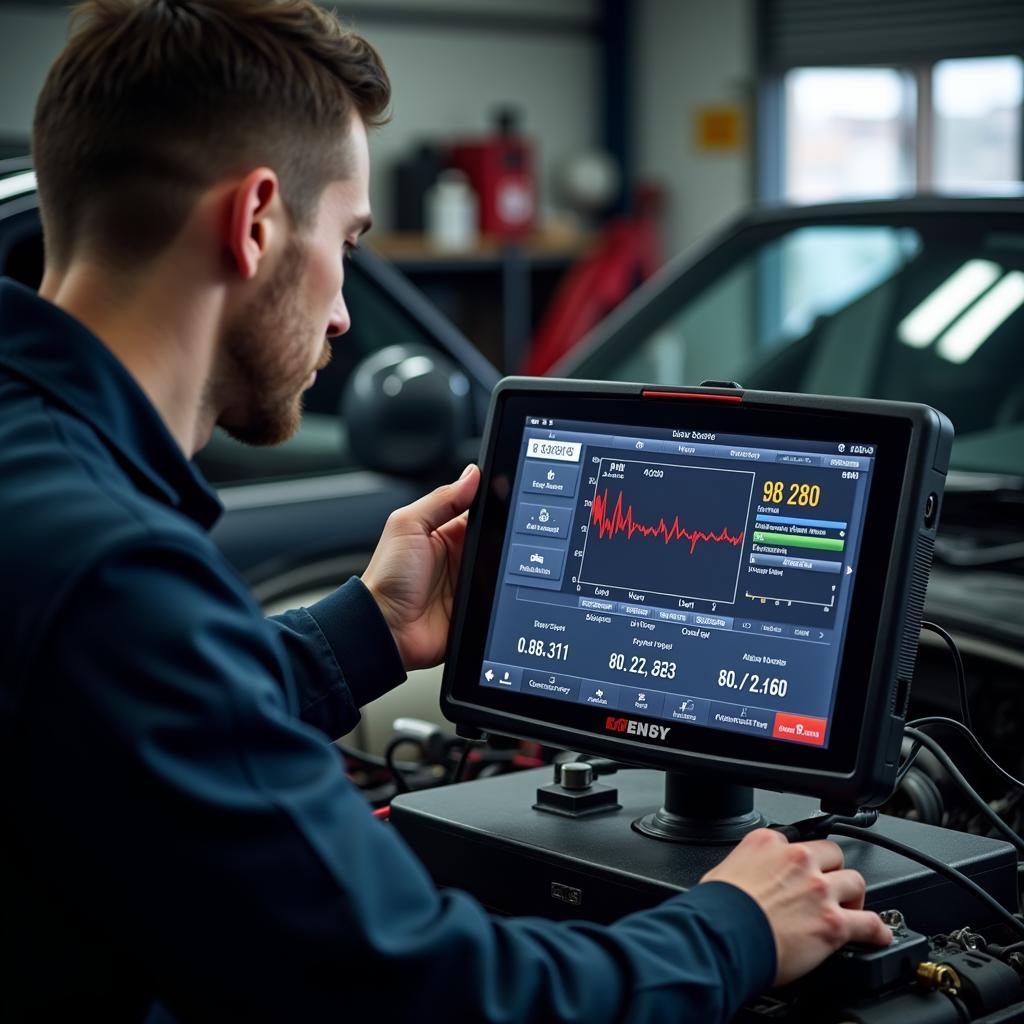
(530, 136)
(808, 195)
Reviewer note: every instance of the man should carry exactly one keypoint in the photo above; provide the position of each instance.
(180, 838)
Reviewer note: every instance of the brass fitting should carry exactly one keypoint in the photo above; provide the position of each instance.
(938, 978)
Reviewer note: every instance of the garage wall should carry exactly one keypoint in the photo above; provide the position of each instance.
(690, 55)
(448, 79)
(30, 39)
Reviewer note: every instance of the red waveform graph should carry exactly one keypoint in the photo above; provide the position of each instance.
(622, 522)
(636, 541)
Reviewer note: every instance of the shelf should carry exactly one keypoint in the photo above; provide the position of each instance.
(414, 251)
(512, 264)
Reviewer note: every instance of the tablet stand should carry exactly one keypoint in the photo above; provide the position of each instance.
(701, 811)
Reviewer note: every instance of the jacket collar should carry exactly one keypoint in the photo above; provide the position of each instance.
(61, 357)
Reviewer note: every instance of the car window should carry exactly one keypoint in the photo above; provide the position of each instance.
(762, 301)
(930, 310)
(945, 329)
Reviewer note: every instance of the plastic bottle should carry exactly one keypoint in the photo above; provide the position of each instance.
(452, 213)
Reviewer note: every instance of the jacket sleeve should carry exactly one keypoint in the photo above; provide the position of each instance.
(185, 813)
(341, 655)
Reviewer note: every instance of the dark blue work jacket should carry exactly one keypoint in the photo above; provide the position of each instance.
(178, 831)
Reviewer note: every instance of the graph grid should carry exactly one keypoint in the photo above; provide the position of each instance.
(661, 528)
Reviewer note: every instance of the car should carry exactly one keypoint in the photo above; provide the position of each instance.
(914, 299)
(854, 298)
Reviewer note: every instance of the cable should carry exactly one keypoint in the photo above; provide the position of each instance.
(401, 783)
(958, 661)
(952, 723)
(954, 773)
(936, 865)
(908, 764)
(961, 1008)
(817, 826)
(463, 761)
(924, 796)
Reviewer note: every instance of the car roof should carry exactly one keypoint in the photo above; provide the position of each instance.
(870, 209)
(16, 178)
(780, 217)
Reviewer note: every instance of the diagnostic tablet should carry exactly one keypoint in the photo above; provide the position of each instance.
(700, 579)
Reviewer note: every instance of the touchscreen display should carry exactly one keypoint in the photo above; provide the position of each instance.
(679, 576)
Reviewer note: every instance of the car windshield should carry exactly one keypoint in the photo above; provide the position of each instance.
(924, 307)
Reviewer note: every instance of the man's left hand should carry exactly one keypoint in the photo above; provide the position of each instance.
(413, 571)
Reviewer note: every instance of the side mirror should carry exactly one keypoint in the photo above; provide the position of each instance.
(408, 412)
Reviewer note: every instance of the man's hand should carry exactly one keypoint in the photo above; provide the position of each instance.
(413, 572)
(813, 905)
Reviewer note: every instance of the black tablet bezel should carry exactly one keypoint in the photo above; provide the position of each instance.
(862, 684)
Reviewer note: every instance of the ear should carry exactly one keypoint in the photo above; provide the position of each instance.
(251, 224)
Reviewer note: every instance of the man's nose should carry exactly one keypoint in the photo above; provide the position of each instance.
(340, 321)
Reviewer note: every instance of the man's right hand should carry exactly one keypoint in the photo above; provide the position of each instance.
(812, 903)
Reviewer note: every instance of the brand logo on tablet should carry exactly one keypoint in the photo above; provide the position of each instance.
(628, 725)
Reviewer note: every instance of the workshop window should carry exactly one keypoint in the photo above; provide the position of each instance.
(951, 125)
(976, 105)
(848, 133)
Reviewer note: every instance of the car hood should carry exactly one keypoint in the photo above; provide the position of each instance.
(983, 603)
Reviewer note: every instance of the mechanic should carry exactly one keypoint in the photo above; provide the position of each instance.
(180, 838)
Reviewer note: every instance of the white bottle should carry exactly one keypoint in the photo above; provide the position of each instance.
(452, 213)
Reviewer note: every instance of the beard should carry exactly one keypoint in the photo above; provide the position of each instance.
(266, 358)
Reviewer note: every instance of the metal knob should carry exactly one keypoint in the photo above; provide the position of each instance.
(577, 775)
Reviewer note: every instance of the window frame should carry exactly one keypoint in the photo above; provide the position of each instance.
(770, 118)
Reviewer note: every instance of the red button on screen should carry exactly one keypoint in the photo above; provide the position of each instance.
(800, 728)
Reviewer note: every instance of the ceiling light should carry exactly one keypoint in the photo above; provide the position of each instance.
(17, 183)
(983, 319)
(923, 325)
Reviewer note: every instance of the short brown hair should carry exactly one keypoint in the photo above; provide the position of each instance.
(151, 101)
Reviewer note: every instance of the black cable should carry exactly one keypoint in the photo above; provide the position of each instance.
(961, 1008)
(907, 764)
(962, 729)
(936, 865)
(958, 661)
(401, 783)
(924, 796)
(955, 774)
(820, 825)
(463, 761)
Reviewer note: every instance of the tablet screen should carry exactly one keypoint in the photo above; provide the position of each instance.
(679, 576)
